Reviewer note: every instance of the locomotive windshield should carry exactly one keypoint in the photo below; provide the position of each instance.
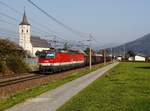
(47, 55)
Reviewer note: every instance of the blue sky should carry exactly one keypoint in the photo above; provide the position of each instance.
(109, 21)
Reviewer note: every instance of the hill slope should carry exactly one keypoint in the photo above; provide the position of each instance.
(141, 45)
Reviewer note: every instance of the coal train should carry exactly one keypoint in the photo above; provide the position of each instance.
(61, 60)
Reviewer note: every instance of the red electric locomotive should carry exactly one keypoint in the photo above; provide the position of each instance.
(59, 60)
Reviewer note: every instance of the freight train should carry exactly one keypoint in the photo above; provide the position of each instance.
(60, 60)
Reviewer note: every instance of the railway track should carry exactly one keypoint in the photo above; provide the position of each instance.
(15, 80)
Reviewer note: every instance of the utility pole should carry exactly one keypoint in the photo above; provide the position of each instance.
(124, 51)
(90, 54)
(104, 56)
(111, 54)
(54, 42)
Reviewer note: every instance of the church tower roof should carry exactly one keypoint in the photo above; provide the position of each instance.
(24, 20)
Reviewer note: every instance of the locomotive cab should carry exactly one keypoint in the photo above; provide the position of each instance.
(46, 59)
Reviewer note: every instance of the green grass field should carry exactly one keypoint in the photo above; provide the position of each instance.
(124, 88)
(22, 96)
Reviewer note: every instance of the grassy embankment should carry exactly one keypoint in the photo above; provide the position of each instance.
(124, 88)
(20, 97)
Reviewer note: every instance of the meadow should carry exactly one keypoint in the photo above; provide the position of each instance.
(124, 88)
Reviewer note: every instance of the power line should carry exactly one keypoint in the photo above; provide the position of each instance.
(14, 19)
(6, 30)
(11, 8)
(54, 19)
(12, 34)
(4, 21)
(5, 15)
(8, 36)
(16, 11)
(45, 27)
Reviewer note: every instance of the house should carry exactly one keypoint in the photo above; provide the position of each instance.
(119, 58)
(131, 59)
(30, 43)
(140, 58)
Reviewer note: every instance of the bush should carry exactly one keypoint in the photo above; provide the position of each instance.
(10, 48)
(3, 66)
(11, 58)
(16, 64)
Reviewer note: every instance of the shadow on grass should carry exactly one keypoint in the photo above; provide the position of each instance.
(143, 67)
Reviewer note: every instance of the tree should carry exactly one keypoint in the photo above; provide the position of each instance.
(87, 51)
(37, 53)
(8, 48)
(66, 46)
(104, 52)
(130, 53)
(11, 58)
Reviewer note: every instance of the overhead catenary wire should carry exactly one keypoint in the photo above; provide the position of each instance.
(6, 22)
(7, 30)
(5, 15)
(7, 33)
(47, 30)
(59, 22)
(14, 19)
(56, 20)
(11, 8)
(9, 37)
(16, 11)
(34, 21)
(45, 27)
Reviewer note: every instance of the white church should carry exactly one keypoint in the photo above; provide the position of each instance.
(30, 43)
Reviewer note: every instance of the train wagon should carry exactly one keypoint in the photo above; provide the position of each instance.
(96, 58)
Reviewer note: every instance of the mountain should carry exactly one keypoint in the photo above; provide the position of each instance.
(139, 46)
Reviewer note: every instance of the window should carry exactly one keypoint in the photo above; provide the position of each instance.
(50, 55)
(47, 55)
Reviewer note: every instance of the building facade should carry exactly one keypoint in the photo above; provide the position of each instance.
(30, 43)
(140, 58)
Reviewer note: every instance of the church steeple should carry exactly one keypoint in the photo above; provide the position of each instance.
(24, 32)
(24, 20)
